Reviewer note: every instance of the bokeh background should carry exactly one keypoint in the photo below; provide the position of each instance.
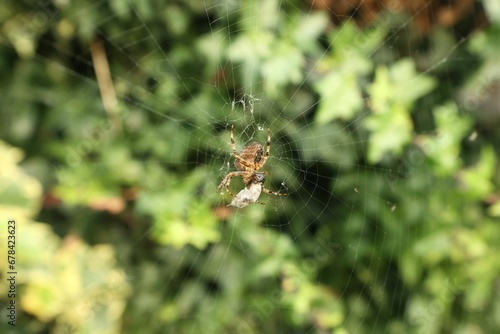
(114, 133)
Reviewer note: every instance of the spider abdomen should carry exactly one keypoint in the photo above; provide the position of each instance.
(251, 154)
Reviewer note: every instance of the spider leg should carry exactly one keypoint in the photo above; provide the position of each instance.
(244, 162)
(268, 143)
(268, 149)
(232, 142)
(226, 181)
(270, 192)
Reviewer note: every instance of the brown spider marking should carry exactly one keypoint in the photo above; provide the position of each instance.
(248, 162)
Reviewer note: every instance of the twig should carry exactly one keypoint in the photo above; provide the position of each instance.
(105, 83)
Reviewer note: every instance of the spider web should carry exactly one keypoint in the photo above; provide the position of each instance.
(323, 166)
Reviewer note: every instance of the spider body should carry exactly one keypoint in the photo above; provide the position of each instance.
(250, 154)
(248, 162)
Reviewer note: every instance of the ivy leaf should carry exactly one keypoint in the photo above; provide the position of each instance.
(180, 218)
(477, 180)
(443, 146)
(340, 95)
(283, 67)
(392, 95)
(390, 132)
(308, 30)
(347, 64)
(409, 85)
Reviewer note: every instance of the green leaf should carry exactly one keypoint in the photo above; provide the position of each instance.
(308, 30)
(443, 146)
(492, 10)
(283, 67)
(392, 95)
(390, 132)
(494, 210)
(477, 181)
(180, 218)
(20, 193)
(408, 84)
(340, 97)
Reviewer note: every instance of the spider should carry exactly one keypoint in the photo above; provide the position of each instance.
(248, 162)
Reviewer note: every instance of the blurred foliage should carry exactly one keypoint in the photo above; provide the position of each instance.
(387, 142)
(63, 283)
